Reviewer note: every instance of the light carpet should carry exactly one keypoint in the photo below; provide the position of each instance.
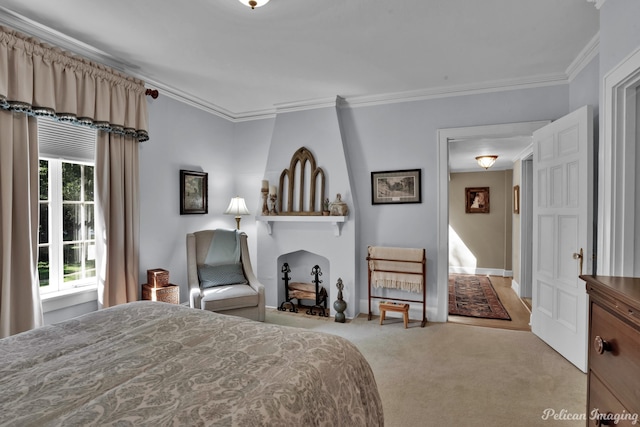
(461, 375)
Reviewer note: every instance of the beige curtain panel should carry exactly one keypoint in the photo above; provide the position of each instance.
(37, 80)
(42, 80)
(20, 308)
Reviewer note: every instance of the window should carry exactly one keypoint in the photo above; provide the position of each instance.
(66, 243)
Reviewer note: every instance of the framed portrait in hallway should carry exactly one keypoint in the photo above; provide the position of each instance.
(477, 200)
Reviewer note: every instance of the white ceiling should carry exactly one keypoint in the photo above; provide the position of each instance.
(463, 152)
(242, 63)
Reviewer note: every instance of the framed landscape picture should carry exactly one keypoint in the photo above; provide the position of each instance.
(193, 192)
(477, 200)
(401, 186)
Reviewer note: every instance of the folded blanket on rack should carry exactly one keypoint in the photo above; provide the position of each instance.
(397, 268)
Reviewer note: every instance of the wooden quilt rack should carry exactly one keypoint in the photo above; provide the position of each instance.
(409, 266)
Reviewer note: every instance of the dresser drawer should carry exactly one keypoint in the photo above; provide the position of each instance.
(604, 404)
(618, 365)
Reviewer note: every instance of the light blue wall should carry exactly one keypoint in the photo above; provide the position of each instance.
(182, 137)
(585, 88)
(404, 136)
(384, 137)
(619, 32)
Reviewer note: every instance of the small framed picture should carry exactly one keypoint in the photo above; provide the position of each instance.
(477, 200)
(193, 192)
(401, 186)
(516, 199)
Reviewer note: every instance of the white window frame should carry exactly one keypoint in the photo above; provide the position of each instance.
(57, 286)
(64, 142)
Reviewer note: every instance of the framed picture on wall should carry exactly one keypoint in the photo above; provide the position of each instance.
(193, 192)
(477, 200)
(401, 186)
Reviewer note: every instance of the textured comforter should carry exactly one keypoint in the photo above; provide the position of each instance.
(149, 363)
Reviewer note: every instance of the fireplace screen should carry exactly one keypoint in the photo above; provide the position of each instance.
(313, 292)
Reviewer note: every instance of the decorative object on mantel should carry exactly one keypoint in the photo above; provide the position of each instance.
(294, 177)
(273, 197)
(237, 207)
(325, 207)
(265, 195)
(339, 305)
(338, 207)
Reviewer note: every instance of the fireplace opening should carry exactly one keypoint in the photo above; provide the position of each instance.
(313, 292)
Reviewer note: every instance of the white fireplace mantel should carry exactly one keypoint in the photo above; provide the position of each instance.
(336, 221)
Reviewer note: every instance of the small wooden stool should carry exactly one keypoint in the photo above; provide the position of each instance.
(397, 307)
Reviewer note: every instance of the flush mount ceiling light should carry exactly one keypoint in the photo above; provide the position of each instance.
(254, 3)
(486, 161)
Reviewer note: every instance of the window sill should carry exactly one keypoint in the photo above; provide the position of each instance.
(67, 298)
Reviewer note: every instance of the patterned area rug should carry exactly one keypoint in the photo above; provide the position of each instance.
(474, 296)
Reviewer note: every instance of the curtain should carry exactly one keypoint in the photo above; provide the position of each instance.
(20, 307)
(117, 219)
(37, 79)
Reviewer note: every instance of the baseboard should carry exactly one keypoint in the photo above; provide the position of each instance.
(481, 271)
(516, 287)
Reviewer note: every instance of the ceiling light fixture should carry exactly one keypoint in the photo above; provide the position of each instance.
(254, 3)
(486, 161)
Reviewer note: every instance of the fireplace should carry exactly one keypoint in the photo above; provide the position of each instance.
(331, 246)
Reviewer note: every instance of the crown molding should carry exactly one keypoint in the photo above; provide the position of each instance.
(597, 3)
(459, 90)
(58, 39)
(586, 55)
(63, 41)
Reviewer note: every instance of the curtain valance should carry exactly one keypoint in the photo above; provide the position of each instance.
(39, 79)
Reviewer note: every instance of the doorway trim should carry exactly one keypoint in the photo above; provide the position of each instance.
(618, 169)
(444, 136)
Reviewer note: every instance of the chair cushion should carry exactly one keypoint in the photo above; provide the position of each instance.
(221, 275)
(229, 297)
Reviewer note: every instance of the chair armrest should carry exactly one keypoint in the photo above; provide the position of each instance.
(251, 278)
(192, 271)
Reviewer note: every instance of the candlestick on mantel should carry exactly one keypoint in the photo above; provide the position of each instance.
(265, 207)
(273, 191)
(265, 184)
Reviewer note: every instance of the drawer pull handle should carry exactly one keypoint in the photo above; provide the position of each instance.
(601, 419)
(601, 345)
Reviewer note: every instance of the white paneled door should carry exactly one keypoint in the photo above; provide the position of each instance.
(562, 232)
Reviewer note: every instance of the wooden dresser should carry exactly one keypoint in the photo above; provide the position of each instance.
(614, 351)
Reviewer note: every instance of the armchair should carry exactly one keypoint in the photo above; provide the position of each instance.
(243, 296)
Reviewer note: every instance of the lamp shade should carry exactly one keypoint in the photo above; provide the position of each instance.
(237, 207)
(254, 3)
(486, 161)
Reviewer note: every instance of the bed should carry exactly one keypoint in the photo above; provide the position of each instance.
(151, 363)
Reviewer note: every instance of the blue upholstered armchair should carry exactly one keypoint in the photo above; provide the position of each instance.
(220, 275)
